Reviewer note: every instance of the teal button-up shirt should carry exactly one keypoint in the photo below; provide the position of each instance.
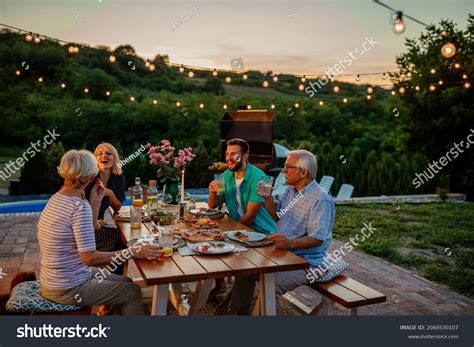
(248, 193)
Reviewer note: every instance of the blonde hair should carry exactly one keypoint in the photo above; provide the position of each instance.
(77, 167)
(116, 169)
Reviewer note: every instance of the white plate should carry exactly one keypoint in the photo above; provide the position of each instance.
(219, 247)
(252, 236)
(207, 212)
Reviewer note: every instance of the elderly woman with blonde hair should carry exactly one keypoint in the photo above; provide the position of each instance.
(68, 251)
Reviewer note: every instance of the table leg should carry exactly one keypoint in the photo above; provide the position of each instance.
(327, 306)
(267, 294)
(200, 296)
(160, 300)
(176, 298)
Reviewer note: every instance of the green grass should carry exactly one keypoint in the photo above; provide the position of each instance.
(435, 240)
(16, 175)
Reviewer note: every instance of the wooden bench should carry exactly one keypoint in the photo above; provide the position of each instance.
(344, 290)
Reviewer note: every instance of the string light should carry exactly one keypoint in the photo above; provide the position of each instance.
(303, 79)
(448, 50)
(181, 69)
(245, 77)
(201, 105)
(29, 37)
(249, 107)
(433, 71)
(401, 90)
(321, 103)
(358, 77)
(18, 72)
(191, 74)
(398, 23)
(344, 100)
(40, 79)
(464, 77)
(112, 58)
(417, 88)
(70, 49)
(265, 84)
(336, 89)
(37, 39)
(86, 90)
(297, 105)
(440, 82)
(409, 74)
(178, 104)
(275, 78)
(132, 98)
(272, 106)
(467, 85)
(107, 93)
(369, 97)
(155, 101)
(393, 92)
(228, 79)
(432, 88)
(384, 76)
(63, 85)
(147, 63)
(370, 90)
(301, 87)
(224, 107)
(214, 73)
(151, 67)
(457, 65)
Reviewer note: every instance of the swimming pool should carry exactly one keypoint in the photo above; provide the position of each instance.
(38, 205)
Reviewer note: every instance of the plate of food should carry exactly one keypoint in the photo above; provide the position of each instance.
(245, 236)
(204, 223)
(204, 211)
(213, 247)
(201, 235)
(164, 218)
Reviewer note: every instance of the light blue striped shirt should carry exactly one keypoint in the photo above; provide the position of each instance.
(65, 229)
(309, 212)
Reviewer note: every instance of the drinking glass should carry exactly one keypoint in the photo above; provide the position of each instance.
(220, 180)
(267, 185)
(135, 217)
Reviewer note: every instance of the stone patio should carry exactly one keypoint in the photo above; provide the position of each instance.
(407, 293)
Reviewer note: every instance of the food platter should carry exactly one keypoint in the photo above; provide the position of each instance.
(245, 236)
(212, 247)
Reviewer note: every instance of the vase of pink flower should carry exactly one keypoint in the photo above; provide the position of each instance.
(170, 164)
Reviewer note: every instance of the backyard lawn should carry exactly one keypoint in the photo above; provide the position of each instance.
(435, 240)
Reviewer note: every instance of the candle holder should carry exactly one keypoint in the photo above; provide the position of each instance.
(182, 209)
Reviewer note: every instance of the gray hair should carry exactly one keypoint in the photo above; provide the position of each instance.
(306, 161)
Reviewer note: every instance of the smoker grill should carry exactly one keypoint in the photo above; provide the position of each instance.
(257, 127)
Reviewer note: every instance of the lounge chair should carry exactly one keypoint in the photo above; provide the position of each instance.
(326, 183)
(345, 192)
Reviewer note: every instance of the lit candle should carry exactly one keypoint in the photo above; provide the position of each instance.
(182, 186)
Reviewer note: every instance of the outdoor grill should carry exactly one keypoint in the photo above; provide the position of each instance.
(257, 127)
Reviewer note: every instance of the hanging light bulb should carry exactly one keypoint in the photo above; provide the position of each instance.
(464, 77)
(181, 69)
(467, 85)
(245, 77)
(155, 101)
(369, 97)
(398, 23)
(214, 73)
(393, 92)
(112, 58)
(384, 76)
(297, 105)
(228, 79)
(448, 50)
(178, 104)
(358, 77)
(107, 93)
(321, 103)
(29, 37)
(440, 82)
(409, 74)
(191, 74)
(370, 90)
(40, 79)
(76, 49)
(63, 85)
(401, 90)
(37, 39)
(86, 90)
(18, 72)
(249, 107)
(152, 67)
(303, 79)
(70, 49)
(457, 65)
(433, 71)
(272, 106)
(224, 107)
(301, 87)
(432, 88)
(417, 88)
(265, 84)
(147, 63)
(132, 98)
(344, 100)
(336, 89)
(201, 105)
(275, 78)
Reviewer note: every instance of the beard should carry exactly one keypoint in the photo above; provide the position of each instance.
(237, 166)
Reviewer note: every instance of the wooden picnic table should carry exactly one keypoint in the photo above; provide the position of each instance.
(167, 274)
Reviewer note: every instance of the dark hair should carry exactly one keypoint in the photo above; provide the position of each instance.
(244, 146)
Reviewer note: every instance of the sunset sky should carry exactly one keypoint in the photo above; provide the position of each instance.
(301, 37)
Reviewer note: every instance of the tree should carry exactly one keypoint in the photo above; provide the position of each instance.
(437, 119)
